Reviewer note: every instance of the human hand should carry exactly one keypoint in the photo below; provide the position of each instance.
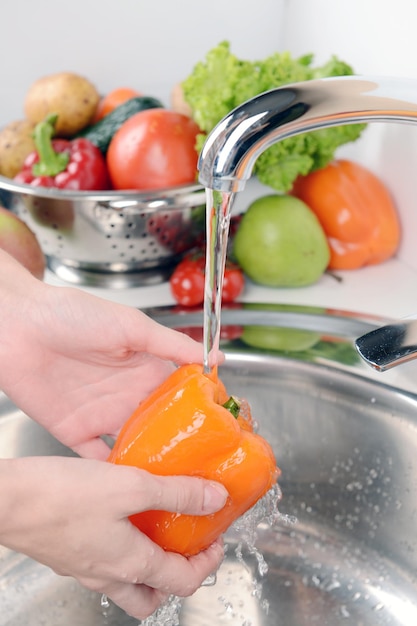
(77, 364)
(71, 514)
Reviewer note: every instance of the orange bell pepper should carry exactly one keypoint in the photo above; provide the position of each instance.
(185, 428)
(356, 211)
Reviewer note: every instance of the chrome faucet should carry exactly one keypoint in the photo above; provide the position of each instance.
(231, 149)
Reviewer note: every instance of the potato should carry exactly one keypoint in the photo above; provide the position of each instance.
(16, 142)
(71, 96)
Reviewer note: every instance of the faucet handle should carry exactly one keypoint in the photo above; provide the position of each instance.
(389, 345)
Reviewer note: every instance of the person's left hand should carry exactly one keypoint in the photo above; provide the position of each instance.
(79, 365)
(72, 515)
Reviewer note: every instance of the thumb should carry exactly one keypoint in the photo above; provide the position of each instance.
(168, 343)
(177, 494)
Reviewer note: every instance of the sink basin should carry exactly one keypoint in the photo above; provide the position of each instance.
(345, 551)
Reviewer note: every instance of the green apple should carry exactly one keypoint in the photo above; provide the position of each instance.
(279, 338)
(285, 338)
(20, 242)
(281, 243)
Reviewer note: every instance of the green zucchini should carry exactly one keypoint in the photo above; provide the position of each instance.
(101, 133)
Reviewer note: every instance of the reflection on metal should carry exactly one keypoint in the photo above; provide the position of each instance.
(112, 239)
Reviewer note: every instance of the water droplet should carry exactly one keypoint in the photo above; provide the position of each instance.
(210, 581)
(168, 614)
(335, 584)
(104, 602)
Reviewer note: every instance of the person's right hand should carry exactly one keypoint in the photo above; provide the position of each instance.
(71, 514)
(77, 364)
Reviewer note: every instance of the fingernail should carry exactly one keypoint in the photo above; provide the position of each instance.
(215, 496)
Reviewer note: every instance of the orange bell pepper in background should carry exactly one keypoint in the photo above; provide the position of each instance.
(185, 428)
(356, 211)
(112, 100)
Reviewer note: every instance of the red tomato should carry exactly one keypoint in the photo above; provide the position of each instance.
(233, 282)
(114, 99)
(187, 281)
(169, 230)
(153, 149)
(227, 332)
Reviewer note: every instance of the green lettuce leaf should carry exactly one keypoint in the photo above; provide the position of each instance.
(223, 81)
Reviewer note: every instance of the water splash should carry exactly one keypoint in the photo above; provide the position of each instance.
(264, 512)
(168, 614)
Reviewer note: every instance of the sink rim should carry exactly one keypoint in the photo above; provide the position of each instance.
(337, 325)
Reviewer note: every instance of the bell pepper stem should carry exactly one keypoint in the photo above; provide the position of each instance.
(232, 405)
(50, 162)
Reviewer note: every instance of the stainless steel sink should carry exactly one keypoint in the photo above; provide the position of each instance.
(345, 551)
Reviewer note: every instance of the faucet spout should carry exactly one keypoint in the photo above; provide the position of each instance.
(231, 149)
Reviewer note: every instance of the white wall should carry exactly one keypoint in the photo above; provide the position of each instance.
(376, 36)
(149, 44)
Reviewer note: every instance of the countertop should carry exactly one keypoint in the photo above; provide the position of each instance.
(388, 290)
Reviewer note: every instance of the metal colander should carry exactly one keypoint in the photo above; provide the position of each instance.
(110, 238)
